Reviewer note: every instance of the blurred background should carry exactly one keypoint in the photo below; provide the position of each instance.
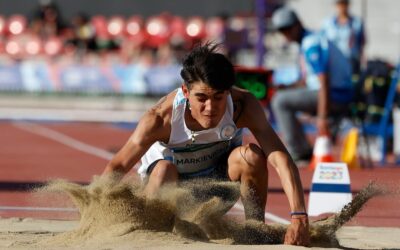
(135, 47)
(70, 60)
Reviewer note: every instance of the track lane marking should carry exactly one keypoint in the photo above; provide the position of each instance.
(269, 216)
(238, 206)
(38, 209)
(64, 139)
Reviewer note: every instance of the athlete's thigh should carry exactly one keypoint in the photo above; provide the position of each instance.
(161, 169)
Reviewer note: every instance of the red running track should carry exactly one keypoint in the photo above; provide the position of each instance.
(33, 153)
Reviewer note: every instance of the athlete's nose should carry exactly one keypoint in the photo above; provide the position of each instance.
(210, 106)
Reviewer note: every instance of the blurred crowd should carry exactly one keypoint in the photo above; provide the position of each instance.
(162, 38)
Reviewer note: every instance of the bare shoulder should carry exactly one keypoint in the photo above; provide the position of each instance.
(245, 105)
(155, 125)
(163, 108)
(242, 95)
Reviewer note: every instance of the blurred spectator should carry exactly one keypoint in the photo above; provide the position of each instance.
(47, 20)
(165, 55)
(103, 39)
(347, 32)
(117, 39)
(83, 33)
(235, 35)
(328, 87)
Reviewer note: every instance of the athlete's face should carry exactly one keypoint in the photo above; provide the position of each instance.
(207, 105)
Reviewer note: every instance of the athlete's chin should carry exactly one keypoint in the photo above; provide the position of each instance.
(208, 123)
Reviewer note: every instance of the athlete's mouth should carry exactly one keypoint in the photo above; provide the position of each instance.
(210, 116)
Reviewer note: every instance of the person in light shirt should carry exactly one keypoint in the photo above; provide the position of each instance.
(346, 31)
(328, 87)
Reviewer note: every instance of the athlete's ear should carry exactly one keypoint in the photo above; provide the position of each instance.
(185, 90)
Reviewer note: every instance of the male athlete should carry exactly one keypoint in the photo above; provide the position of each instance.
(195, 132)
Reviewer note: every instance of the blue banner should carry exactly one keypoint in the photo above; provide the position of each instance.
(36, 76)
(10, 78)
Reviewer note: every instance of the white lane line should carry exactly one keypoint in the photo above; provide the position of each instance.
(64, 139)
(269, 216)
(38, 209)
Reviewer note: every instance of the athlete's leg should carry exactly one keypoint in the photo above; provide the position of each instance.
(247, 164)
(162, 172)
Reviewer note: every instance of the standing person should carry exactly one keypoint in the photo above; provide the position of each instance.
(328, 87)
(346, 31)
(47, 20)
(194, 132)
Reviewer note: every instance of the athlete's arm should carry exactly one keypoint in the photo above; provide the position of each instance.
(153, 126)
(254, 118)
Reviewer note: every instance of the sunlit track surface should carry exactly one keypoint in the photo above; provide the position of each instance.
(32, 153)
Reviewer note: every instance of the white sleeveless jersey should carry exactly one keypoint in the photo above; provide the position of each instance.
(200, 157)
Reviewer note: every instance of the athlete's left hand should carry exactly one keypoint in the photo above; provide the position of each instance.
(298, 232)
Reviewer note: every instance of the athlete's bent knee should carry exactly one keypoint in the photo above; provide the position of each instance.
(165, 170)
(247, 159)
(254, 155)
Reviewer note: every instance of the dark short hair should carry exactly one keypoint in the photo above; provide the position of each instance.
(204, 64)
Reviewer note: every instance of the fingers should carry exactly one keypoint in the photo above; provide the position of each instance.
(296, 239)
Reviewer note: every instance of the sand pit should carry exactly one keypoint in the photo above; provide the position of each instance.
(116, 215)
